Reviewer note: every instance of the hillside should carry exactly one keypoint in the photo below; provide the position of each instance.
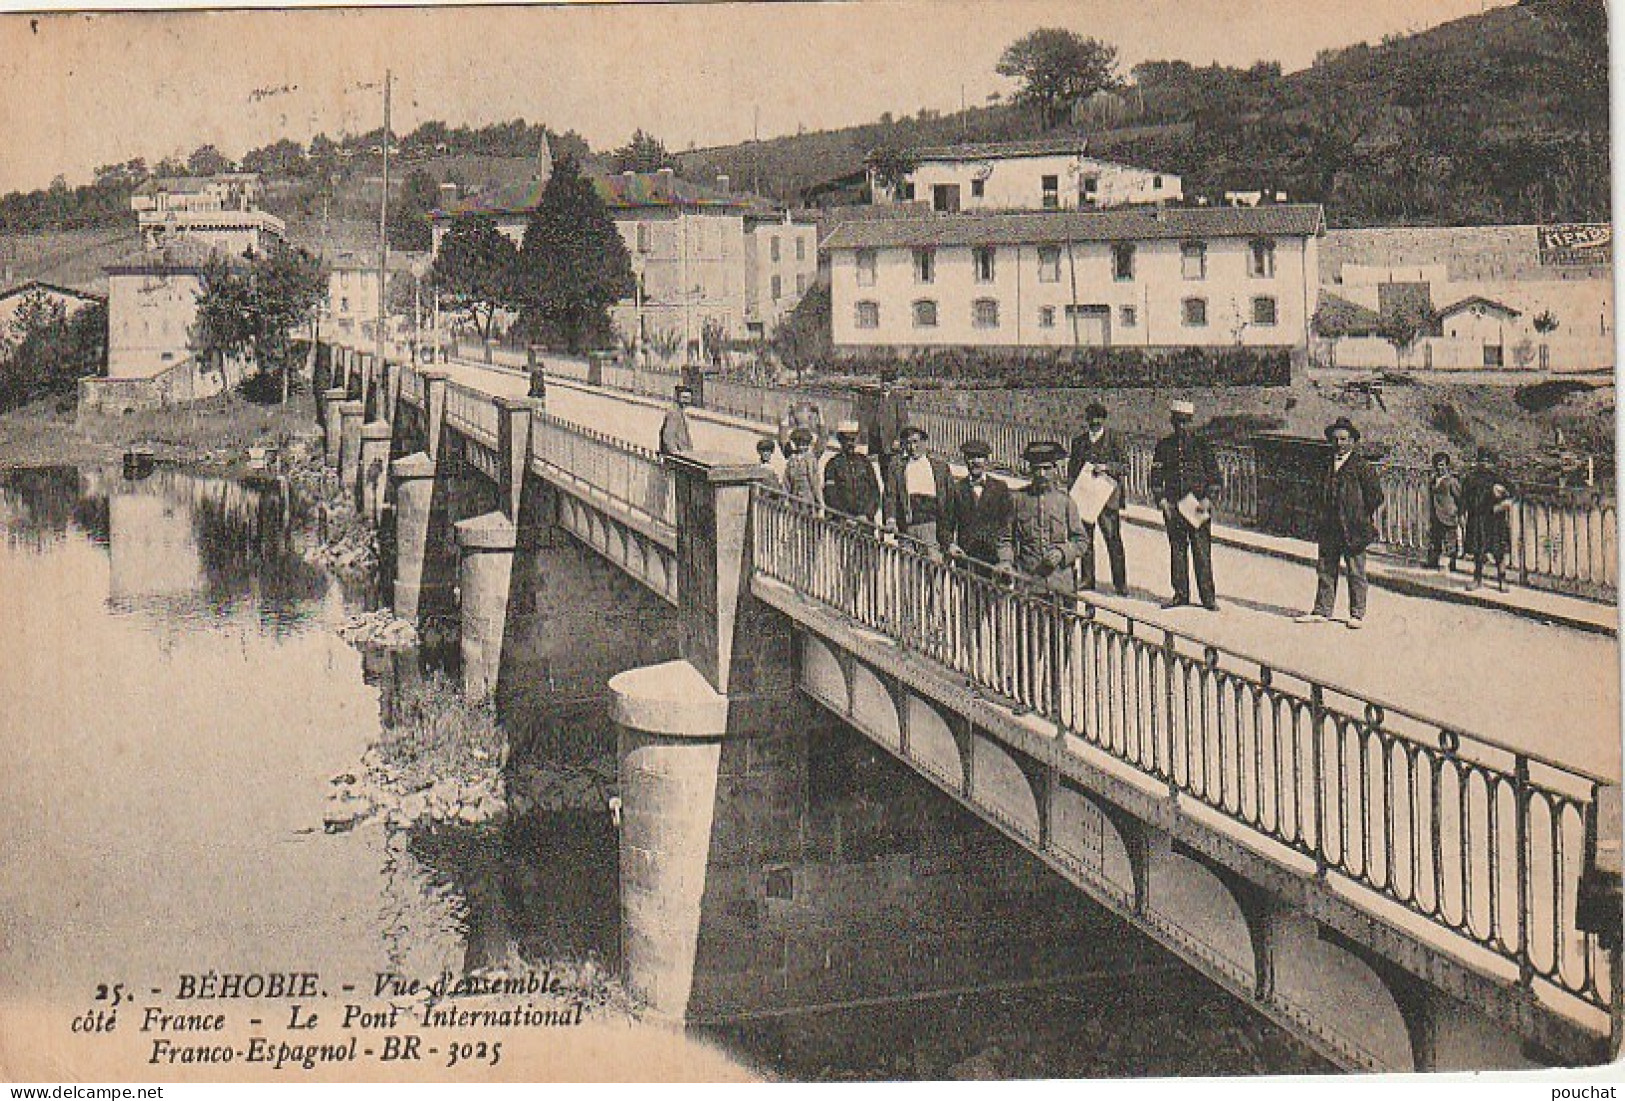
(72, 258)
(1495, 118)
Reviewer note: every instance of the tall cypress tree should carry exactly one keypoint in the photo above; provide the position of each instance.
(573, 264)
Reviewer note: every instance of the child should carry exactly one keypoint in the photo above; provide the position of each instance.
(1445, 512)
(1488, 504)
(801, 470)
(764, 454)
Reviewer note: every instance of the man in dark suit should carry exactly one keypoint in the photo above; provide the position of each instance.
(916, 496)
(1102, 449)
(885, 418)
(977, 528)
(1350, 498)
(1183, 466)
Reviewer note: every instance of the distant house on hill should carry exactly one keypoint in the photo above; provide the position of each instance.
(71, 299)
(1041, 174)
(701, 253)
(221, 211)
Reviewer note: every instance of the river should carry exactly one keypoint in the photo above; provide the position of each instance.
(177, 701)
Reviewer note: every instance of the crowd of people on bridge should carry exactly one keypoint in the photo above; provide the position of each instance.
(1041, 536)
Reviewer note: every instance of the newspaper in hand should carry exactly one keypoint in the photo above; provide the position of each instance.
(1196, 514)
(1090, 492)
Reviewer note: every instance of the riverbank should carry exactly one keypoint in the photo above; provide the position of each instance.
(214, 434)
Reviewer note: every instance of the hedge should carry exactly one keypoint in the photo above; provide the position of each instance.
(1106, 367)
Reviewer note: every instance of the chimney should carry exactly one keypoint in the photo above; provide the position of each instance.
(722, 182)
(668, 182)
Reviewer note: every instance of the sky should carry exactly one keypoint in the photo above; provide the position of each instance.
(78, 90)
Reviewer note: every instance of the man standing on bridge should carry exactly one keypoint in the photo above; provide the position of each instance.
(1048, 538)
(1348, 508)
(674, 433)
(1184, 478)
(1101, 449)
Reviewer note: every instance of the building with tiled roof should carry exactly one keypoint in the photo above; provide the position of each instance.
(1037, 174)
(222, 211)
(703, 254)
(1152, 278)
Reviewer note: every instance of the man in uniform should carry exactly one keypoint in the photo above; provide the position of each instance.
(1101, 449)
(1048, 538)
(1183, 466)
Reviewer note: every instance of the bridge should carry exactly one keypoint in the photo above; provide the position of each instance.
(1394, 863)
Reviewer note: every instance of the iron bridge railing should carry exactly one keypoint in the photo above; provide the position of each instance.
(1480, 839)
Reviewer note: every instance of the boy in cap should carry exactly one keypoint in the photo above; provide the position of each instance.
(977, 524)
(916, 492)
(764, 455)
(1183, 466)
(1101, 449)
(801, 470)
(1444, 512)
(674, 434)
(850, 485)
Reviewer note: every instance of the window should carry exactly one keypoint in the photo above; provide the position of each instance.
(645, 237)
(1049, 264)
(773, 248)
(925, 314)
(1089, 191)
(344, 305)
(985, 313)
(801, 248)
(1196, 312)
(978, 188)
(801, 283)
(1263, 310)
(778, 287)
(1193, 260)
(925, 266)
(1128, 317)
(866, 267)
(867, 316)
(1046, 317)
(982, 261)
(1052, 191)
(1156, 183)
(1123, 263)
(1262, 261)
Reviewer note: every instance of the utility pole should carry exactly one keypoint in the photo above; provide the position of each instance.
(383, 241)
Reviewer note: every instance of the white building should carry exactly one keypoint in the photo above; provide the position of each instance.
(350, 309)
(1051, 174)
(701, 254)
(1497, 297)
(223, 212)
(1153, 278)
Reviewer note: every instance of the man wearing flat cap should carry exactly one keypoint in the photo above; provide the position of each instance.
(674, 434)
(850, 485)
(1047, 534)
(916, 492)
(1184, 480)
(1349, 501)
(977, 526)
(1101, 449)
(801, 469)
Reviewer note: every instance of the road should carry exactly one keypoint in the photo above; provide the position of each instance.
(1548, 690)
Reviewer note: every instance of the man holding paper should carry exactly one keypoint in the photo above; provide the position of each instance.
(1184, 478)
(1098, 465)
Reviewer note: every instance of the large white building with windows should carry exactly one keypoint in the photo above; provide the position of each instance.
(1151, 278)
(1045, 174)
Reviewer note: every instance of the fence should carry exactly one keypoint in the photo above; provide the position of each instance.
(1480, 839)
(473, 412)
(605, 467)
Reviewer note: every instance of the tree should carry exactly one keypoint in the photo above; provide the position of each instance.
(573, 264)
(206, 160)
(474, 270)
(890, 167)
(251, 307)
(409, 227)
(1057, 68)
(283, 157)
(644, 153)
(46, 350)
(802, 339)
(1402, 324)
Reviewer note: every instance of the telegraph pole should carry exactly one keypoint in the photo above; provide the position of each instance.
(383, 242)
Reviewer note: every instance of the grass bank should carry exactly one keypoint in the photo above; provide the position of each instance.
(215, 433)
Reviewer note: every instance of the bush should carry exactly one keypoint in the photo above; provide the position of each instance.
(1446, 419)
(1543, 396)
